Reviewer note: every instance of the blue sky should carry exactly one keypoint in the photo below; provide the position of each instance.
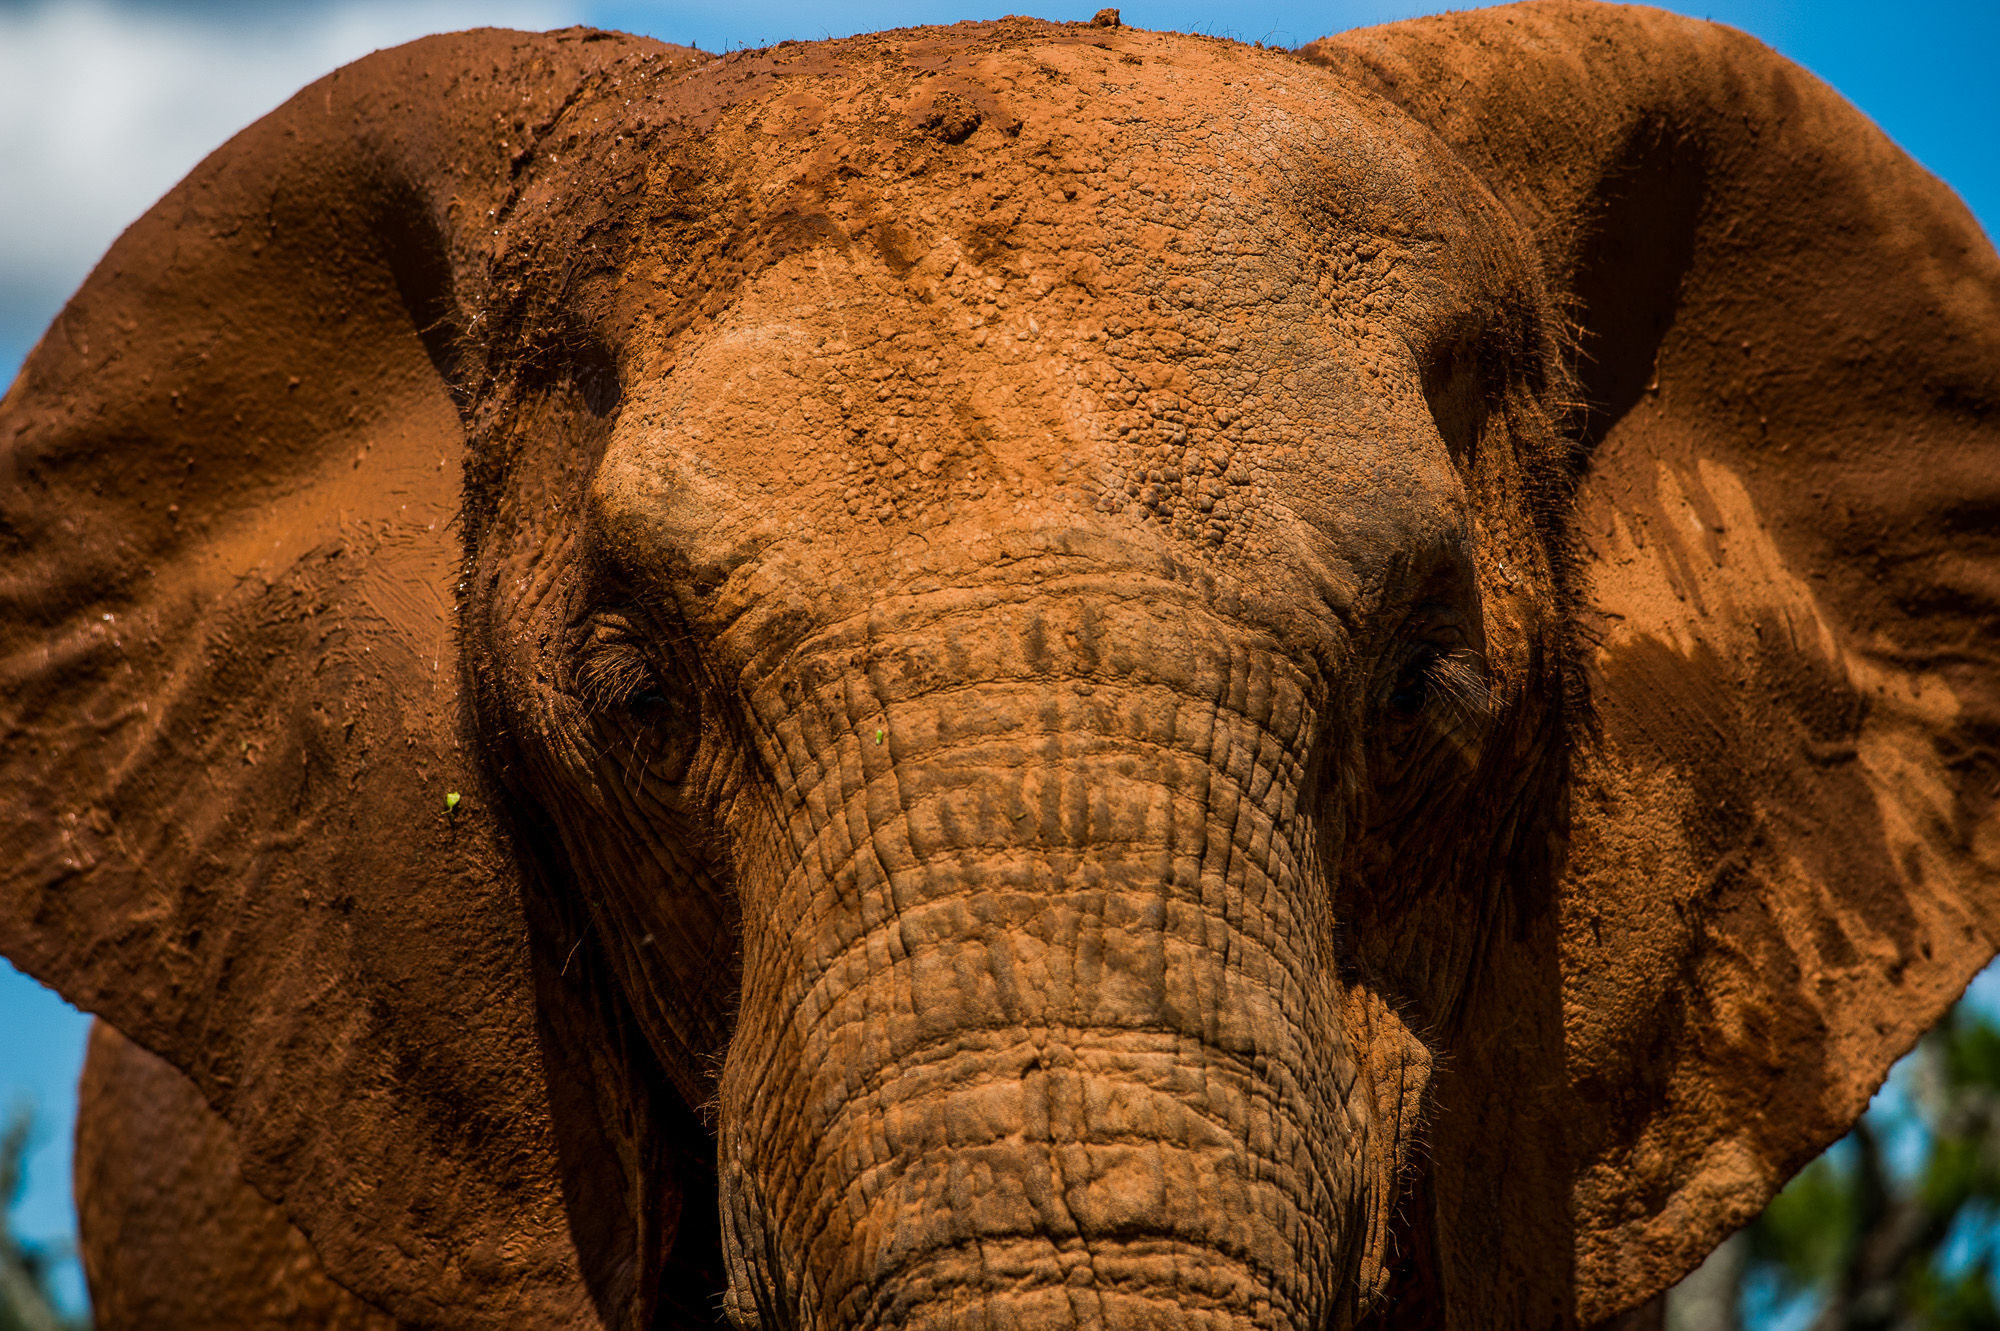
(104, 104)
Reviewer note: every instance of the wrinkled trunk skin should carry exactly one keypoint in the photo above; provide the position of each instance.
(1041, 1024)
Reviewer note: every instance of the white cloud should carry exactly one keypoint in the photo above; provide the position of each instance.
(104, 108)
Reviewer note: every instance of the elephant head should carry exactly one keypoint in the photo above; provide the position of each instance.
(1019, 675)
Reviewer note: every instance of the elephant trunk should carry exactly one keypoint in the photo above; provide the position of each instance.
(1040, 1023)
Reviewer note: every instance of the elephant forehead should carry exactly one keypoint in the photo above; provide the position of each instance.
(1178, 305)
(870, 132)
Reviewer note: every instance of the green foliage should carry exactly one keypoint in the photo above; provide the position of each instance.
(1855, 1243)
(1963, 1301)
(1805, 1234)
(26, 1300)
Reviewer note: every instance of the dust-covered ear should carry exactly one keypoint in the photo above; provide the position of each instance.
(242, 816)
(1784, 862)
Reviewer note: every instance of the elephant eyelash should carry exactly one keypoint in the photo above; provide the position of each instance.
(639, 715)
(1460, 684)
(1448, 685)
(620, 678)
(614, 672)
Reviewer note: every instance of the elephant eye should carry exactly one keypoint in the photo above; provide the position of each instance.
(1438, 681)
(639, 712)
(1413, 683)
(615, 671)
(1433, 715)
(1442, 681)
(618, 676)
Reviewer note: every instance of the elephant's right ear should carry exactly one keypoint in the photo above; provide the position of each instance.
(241, 818)
(1785, 858)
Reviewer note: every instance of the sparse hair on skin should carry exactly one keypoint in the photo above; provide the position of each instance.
(1461, 685)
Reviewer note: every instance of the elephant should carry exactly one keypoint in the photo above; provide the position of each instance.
(1027, 674)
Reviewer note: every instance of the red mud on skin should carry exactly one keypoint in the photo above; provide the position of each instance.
(1043, 996)
(627, 440)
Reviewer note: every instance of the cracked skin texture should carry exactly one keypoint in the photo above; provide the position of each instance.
(1098, 678)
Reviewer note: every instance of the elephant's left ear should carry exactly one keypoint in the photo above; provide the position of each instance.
(1784, 861)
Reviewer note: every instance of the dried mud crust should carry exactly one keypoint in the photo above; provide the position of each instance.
(924, 293)
(1056, 281)
(953, 318)
(160, 1188)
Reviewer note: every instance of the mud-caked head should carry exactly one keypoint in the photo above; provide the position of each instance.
(1021, 675)
(1042, 587)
